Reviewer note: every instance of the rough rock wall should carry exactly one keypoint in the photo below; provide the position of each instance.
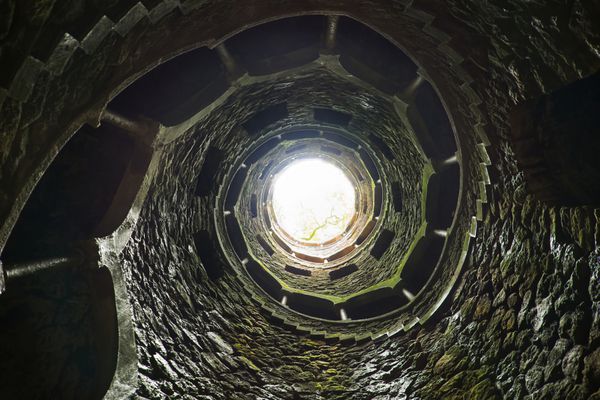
(525, 318)
(522, 323)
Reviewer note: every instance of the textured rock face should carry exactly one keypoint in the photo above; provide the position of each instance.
(524, 320)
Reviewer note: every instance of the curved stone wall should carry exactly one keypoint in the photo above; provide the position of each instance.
(523, 318)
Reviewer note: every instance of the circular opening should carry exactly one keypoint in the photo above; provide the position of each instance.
(313, 201)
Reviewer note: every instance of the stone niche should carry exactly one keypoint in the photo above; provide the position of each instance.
(556, 139)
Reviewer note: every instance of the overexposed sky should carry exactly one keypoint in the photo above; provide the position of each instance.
(313, 200)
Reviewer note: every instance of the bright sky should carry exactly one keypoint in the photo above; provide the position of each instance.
(313, 200)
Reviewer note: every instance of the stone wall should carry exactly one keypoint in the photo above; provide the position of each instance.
(524, 321)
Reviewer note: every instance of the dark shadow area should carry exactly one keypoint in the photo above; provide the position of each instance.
(369, 164)
(59, 326)
(235, 235)
(278, 45)
(556, 139)
(397, 196)
(343, 271)
(442, 196)
(264, 279)
(208, 254)
(265, 117)
(207, 175)
(253, 206)
(59, 336)
(372, 58)
(377, 199)
(340, 139)
(366, 231)
(382, 244)
(262, 150)
(436, 120)
(421, 263)
(382, 146)
(297, 271)
(301, 134)
(281, 243)
(265, 245)
(72, 197)
(235, 188)
(175, 90)
(313, 306)
(374, 303)
(333, 117)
